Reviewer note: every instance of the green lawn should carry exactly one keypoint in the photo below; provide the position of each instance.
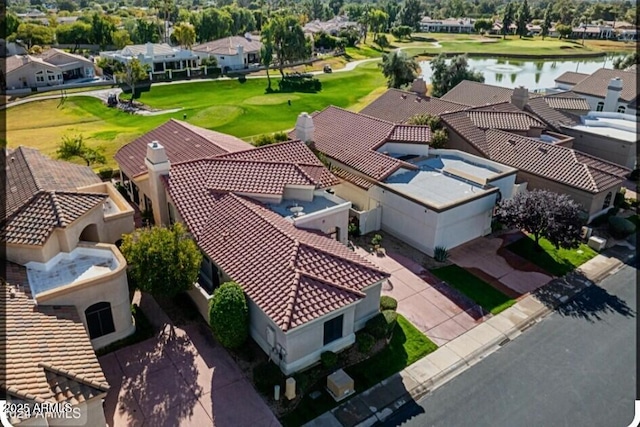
(407, 346)
(240, 109)
(556, 261)
(485, 295)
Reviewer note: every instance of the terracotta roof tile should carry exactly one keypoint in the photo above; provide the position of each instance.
(502, 120)
(567, 103)
(352, 139)
(43, 344)
(228, 46)
(398, 106)
(182, 142)
(293, 275)
(475, 94)
(353, 178)
(596, 84)
(410, 134)
(571, 77)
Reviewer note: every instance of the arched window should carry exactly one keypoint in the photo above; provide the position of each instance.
(607, 200)
(600, 106)
(622, 109)
(99, 320)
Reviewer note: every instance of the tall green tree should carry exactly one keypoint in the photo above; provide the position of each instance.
(77, 33)
(398, 68)
(522, 18)
(34, 34)
(185, 34)
(411, 14)
(288, 40)
(507, 19)
(163, 261)
(133, 73)
(102, 27)
(266, 53)
(145, 31)
(446, 76)
(72, 147)
(377, 21)
(546, 22)
(9, 23)
(482, 25)
(335, 6)
(120, 38)
(212, 24)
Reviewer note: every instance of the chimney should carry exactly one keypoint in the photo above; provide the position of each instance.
(240, 50)
(149, 46)
(613, 95)
(157, 164)
(520, 97)
(305, 127)
(419, 86)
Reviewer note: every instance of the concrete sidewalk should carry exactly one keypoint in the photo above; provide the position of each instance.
(377, 403)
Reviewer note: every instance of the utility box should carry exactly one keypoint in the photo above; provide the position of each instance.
(340, 385)
(290, 388)
(597, 243)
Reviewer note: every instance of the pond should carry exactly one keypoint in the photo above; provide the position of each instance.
(532, 74)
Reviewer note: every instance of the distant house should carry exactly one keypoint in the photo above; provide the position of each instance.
(52, 68)
(162, 59)
(609, 90)
(263, 218)
(332, 27)
(398, 183)
(592, 31)
(449, 25)
(231, 53)
(61, 224)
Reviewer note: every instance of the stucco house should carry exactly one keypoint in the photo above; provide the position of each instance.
(162, 59)
(399, 184)
(543, 159)
(68, 293)
(263, 218)
(62, 224)
(608, 90)
(51, 68)
(449, 25)
(231, 53)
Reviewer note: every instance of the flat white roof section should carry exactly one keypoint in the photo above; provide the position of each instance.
(614, 125)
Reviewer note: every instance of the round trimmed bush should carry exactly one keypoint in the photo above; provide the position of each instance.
(620, 227)
(388, 303)
(376, 326)
(229, 315)
(265, 376)
(329, 359)
(364, 341)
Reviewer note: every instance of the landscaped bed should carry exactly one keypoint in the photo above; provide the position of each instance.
(407, 346)
(556, 261)
(485, 295)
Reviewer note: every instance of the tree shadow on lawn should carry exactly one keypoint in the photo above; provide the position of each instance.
(161, 374)
(590, 305)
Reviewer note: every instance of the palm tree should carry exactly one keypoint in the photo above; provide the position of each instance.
(399, 69)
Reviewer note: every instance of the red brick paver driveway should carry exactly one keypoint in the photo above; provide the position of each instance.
(434, 308)
(189, 380)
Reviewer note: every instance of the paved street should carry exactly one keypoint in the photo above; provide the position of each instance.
(577, 367)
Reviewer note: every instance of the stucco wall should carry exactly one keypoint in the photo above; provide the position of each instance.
(614, 150)
(28, 74)
(357, 196)
(367, 307)
(297, 193)
(593, 103)
(111, 287)
(338, 216)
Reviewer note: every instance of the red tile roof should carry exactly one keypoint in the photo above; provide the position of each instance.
(47, 354)
(553, 162)
(571, 77)
(352, 139)
(398, 106)
(295, 152)
(502, 120)
(560, 102)
(414, 134)
(182, 142)
(41, 195)
(475, 94)
(596, 84)
(353, 178)
(34, 223)
(293, 275)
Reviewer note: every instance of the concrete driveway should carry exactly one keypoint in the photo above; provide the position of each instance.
(189, 380)
(486, 258)
(438, 311)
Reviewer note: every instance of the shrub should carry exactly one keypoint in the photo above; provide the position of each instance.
(353, 230)
(440, 254)
(381, 40)
(391, 320)
(376, 240)
(229, 315)
(303, 381)
(376, 326)
(299, 84)
(620, 227)
(329, 359)
(364, 342)
(388, 303)
(635, 175)
(269, 138)
(439, 138)
(496, 225)
(265, 376)
(619, 201)
(105, 173)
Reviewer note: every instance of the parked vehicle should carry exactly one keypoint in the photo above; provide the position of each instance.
(327, 69)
